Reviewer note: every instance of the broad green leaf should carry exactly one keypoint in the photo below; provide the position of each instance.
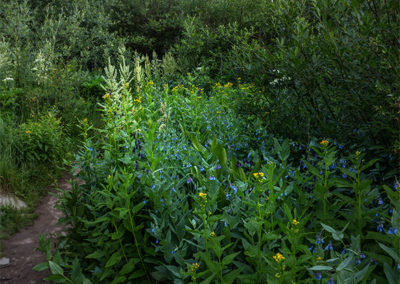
(55, 268)
(391, 275)
(56, 278)
(115, 258)
(96, 255)
(229, 258)
(321, 268)
(344, 263)
(391, 252)
(41, 266)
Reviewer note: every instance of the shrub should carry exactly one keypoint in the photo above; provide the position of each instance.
(40, 141)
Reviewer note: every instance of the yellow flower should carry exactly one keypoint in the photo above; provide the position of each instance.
(195, 266)
(259, 176)
(107, 96)
(278, 257)
(228, 85)
(27, 132)
(324, 143)
(295, 222)
(319, 258)
(358, 153)
(218, 112)
(139, 100)
(218, 85)
(203, 195)
(212, 234)
(85, 120)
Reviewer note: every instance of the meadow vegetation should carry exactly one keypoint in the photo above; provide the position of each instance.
(242, 141)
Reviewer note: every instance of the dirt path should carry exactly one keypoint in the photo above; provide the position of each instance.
(21, 248)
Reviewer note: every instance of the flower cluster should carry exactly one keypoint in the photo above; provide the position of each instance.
(324, 143)
(295, 222)
(278, 257)
(195, 266)
(259, 176)
(203, 199)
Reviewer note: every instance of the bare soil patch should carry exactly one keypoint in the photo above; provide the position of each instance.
(21, 248)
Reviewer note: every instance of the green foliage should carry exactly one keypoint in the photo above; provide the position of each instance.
(177, 189)
(40, 141)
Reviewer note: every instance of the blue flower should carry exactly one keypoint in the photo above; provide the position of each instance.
(144, 201)
(211, 178)
(201, 169)
(331, 281)
(227, 196)
(398, 266)
(218, 167)
(234, 188)
(329, 246)
(319, 240)
(312, 249)
(173, 189)
(379, 228)
(153, 186)
(357, 261)
(173, 251)
(189, 180)
(380, 202)
(362, 255)
(343, 251)
(392, 231)
(318, 276)
(153, 230)
(157, 241)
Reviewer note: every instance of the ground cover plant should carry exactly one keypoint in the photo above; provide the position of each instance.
(178, 189)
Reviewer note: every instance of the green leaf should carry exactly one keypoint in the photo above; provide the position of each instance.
(229, 258)
(55, 268)
(96, 255)
(231, 276)
(137, 208)
(391, 275)
(116, 257)
(137, 274)
(129, 266)
(344, 263)
(391, 252)
(321, 268)
(41, 266)
(367, 165)
(208, 280)
(55, 278)
(312, 169)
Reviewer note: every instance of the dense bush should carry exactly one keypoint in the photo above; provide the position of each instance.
(177, 189)
(40, 140)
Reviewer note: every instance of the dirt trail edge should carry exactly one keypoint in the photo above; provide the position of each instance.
(21, 248)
